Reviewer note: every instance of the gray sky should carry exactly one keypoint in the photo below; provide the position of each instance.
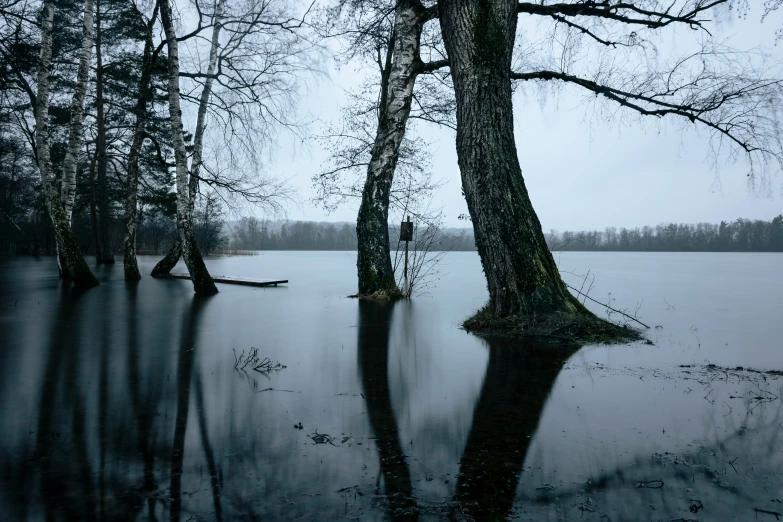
(580, 174)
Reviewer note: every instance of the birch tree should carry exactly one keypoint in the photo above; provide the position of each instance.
(77, 267)
(202, 281)
(172, 257)
(393, 32)
(256, 62)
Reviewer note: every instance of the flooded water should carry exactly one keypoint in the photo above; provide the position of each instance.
(126, 402)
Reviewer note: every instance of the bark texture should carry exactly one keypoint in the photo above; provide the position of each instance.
(130, 264)
(79, 271)
(202, 281)
(104, 222)
(521, 274)
(68, 187)
(373, 263)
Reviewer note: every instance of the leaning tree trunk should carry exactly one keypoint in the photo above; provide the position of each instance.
(130, 264)
(68, 184)
(79, 271)
(398, 77)
(202, 281)
(522, 277)
(104, 224)
(166, 264)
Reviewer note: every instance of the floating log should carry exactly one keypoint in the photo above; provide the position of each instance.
(232, 280)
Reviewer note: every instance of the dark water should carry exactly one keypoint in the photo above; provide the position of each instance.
(123, 402)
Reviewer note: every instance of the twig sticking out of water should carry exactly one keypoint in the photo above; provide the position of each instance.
(252, 360)
(629, 316)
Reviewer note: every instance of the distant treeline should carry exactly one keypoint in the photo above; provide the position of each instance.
(742, 235)
(156, 233)
(255, 234)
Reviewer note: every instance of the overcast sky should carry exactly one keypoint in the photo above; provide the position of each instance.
(581, 174)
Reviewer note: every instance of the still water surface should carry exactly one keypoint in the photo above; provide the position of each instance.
(123, 402)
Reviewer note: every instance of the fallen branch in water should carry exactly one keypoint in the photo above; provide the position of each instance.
(773, 513)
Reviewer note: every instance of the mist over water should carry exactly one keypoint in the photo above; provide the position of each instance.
(124, 402)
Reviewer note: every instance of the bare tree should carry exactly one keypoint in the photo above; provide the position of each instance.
(247, 89)
(737, 105)
(77, 268)
(202, 281)
(389, 33)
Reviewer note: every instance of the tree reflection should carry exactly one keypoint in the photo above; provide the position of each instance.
(516, 386)
(373, 354)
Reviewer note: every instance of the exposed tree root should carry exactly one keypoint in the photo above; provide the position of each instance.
(557, 328)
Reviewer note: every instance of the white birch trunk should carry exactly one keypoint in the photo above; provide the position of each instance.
(201, 122)
(77, 267)
(374, 264)
(202, 281)
(167, 263)
(68, 189)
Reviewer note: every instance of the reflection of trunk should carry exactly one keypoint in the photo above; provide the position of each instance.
(209, 455)
(141, 406)
(46, 436)
(144, 93)
(77, 268)
(516, 386)
(186, 195)
(521, 273)
(66, 485)
(373, 346)
(104, 232)
(202, 282)
(187, 355)
(103, 403)
(397, 80)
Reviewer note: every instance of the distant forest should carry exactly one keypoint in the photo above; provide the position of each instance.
(215, 235)
(742, 235)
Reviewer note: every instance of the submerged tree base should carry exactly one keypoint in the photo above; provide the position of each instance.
(381, 295)
(557, 328)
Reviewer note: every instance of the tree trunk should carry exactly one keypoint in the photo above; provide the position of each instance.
(79, 271)
(68, 190)
(96, 240)
(522, 277)
(104, 224)
(130, 264)
(373, 262)
(202, 281)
